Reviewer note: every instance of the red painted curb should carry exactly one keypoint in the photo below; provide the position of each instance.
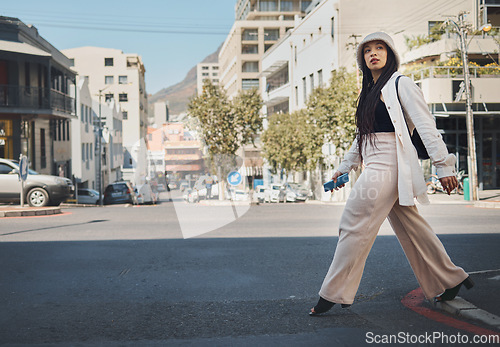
(414, 300)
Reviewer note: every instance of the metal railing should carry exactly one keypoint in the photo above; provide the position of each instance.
(453, 72)
(36, 98)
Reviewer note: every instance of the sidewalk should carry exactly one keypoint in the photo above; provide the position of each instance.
(27, 211)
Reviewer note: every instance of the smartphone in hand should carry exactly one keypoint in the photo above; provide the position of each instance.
(342, 179)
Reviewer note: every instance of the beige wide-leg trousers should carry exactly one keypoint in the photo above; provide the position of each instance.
(373, 198)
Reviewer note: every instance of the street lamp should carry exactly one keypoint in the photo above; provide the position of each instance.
(99, 145)
(471, 142)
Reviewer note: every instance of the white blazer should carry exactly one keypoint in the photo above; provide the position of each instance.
(411, 182)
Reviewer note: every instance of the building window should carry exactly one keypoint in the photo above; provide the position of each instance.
(67, 130)
(286, 6)
(72, 62)
(91, 152)
(215, 68)
(320, 78)
(109, 80)
(204, 67)
(250, 83)
(296, 95)
(305, 5)
(311, 77)
(215, 81)
(268, 5)
(108, 97)
(250, 35)
(123, 97)
(108, 62)
(205, 74)
(122, 79)
(125, 115)
(304, 87)
(82, 113)
(271, 34)
(250, 66)
(267, 46)
(249, 49)
(215, 74)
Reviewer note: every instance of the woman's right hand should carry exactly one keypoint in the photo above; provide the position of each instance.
(334, 178)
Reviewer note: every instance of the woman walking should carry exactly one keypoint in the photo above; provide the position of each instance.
(390, 182)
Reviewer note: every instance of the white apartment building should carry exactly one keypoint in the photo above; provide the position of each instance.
(112, 139)
(160, 114)
(326, 39)
(121, 77)
(206, 71)
(84, 139)
(259, 25)
(84, 148)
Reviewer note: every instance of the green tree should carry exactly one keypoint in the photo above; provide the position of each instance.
(248, 121)
(333, 109)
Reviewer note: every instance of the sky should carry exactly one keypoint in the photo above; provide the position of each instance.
(171, 36)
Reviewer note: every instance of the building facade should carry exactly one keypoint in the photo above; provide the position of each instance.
(36, 107)
(204, 72)
(258, 26)
(115, 75)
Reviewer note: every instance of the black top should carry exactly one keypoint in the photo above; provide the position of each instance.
(383, 122)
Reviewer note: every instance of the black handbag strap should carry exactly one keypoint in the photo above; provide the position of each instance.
(400, 104)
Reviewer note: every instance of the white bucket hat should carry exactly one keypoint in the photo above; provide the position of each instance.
(378, 36)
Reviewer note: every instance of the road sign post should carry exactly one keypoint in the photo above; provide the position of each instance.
(23, 175)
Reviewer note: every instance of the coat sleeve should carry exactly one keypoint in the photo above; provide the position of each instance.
(351, 160)
(416, 109)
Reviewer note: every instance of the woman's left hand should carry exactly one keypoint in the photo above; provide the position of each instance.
(449, 183)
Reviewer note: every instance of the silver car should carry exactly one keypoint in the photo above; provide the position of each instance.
(40, 190)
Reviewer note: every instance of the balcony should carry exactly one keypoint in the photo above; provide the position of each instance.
(35, 98)
(444, 84)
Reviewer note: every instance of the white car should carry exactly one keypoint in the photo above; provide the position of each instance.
(40, 190)
(145, 194)
(260, 193)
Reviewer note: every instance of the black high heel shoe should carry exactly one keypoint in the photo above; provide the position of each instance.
(450, 294)
(324, 306)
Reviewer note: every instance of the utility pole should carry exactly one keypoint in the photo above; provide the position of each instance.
(99, 145)
(461, 27)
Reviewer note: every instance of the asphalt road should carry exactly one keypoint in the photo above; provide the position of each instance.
(121, 275)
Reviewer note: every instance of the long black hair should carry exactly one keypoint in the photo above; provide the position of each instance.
(369, 98)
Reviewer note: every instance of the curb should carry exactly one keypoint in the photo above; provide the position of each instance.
(487, 204)
(30, 212)
(463, 308)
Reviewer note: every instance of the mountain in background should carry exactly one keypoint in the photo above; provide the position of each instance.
(179, 94)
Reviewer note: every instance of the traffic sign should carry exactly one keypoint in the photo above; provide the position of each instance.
(234, 178)
(23, 168)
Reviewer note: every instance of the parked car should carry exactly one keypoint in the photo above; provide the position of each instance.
(190, 195)
(301, 192)
(87, 196)
(145, 194)
(120, 193)
(260, 193)
(276, 193)
(40, 190)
